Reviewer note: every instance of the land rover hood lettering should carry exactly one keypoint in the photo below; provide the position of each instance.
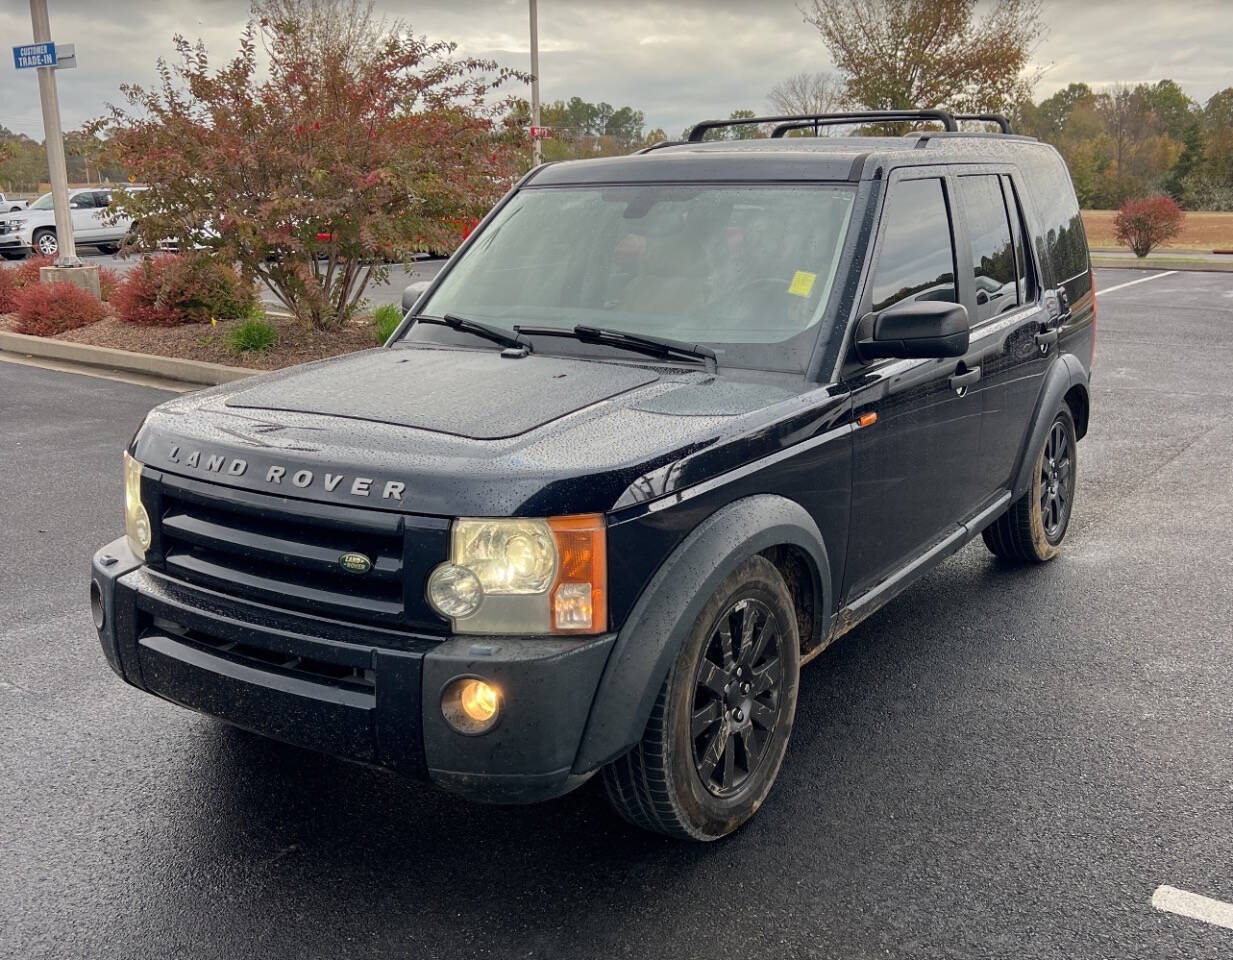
(278, 475)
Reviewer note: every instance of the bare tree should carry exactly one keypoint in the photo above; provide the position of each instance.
(348, 32)
(899, 54)
(807, 93)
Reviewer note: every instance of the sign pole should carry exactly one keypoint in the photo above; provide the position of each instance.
(536, 150)
(54, 138)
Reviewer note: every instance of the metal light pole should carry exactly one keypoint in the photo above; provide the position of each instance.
(54, 138)
(536, 151)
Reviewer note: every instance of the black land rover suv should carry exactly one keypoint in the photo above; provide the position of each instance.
(665, 427)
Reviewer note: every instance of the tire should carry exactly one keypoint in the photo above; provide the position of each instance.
(1033, 528)
(44, 242)
(712, 716)
(110, 249)
(13, 254)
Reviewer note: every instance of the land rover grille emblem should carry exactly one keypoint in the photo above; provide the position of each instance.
(355, 563)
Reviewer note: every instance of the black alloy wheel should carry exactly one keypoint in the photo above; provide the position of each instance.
(1057, 480)
(736, 697)
(720, 726)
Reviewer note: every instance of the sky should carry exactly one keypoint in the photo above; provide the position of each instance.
(678, 62)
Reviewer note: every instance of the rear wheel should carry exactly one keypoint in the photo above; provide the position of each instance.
(1034, 526)
(45, 243)
(13, 254)
(717, 734)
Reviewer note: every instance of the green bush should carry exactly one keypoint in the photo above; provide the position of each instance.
(386, 320)
(254, 335)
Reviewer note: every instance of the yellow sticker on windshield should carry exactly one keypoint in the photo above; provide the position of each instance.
(802, 283)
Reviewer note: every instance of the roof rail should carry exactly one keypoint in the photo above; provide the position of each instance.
(700, 130)
(658, 144)
(997, 118)
(888, 116)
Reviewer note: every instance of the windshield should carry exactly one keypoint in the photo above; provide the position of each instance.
(42, 203)
(747, 270)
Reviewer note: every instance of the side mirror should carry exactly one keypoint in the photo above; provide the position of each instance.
(412, 294)
(914, 329)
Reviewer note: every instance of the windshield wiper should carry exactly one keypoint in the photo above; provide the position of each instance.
(637, 342)
(507, 338)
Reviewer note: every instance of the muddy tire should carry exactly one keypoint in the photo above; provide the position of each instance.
(720, 725)
(1032, 529)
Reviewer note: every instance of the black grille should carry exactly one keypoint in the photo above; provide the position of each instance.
(283, 552)
(361, 679)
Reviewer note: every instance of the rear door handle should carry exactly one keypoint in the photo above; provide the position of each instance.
(1047, 337)
(961, 381)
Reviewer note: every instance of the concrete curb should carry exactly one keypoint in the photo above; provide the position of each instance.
(168, 368)
(1188, 266)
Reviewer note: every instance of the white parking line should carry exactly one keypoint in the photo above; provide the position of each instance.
(1193, 905)
(1131, 283)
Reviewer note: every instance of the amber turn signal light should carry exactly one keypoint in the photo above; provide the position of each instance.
(579, 597)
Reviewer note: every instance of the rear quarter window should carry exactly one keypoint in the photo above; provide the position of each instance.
(1062, 241)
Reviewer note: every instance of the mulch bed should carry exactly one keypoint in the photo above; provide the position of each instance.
(209, 341)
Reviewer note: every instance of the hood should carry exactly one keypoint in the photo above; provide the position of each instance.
(453, 432)
(480, 395)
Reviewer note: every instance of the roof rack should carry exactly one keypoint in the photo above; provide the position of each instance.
(813, 120)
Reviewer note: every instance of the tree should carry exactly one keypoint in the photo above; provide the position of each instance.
(804, 93)
(1147, 222)
(581, 129)
(901, 54)
(23, 162)
(360, 145)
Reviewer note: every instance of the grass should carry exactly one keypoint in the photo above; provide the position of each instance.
(255, 335)
(1201, 230)
(385, 319)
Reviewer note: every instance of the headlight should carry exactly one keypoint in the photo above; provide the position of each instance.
(524, 576)
(136, 520)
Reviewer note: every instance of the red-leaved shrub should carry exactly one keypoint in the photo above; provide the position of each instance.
(45, 309)
(108, 280)
(28, 270)
(1147, 222)
(8, 287)
(166, 291)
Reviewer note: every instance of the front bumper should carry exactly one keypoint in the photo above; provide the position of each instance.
(363, 693)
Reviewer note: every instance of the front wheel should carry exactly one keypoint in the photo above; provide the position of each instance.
(1033, 527)
(45, 243)
(720, 726)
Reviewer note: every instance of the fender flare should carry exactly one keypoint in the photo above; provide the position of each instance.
(657, 626)
(1063, 375)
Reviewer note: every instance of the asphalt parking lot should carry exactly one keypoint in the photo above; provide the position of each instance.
(1004, 762)
(389, 291)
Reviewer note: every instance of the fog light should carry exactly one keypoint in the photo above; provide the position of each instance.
(470, 705)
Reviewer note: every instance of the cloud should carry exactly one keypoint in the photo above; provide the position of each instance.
(678, 62)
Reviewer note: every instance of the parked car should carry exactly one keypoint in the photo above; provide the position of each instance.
(34, 229)
(663, 429)
(12, 204)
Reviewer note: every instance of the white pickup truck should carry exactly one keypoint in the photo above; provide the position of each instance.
(12, 205)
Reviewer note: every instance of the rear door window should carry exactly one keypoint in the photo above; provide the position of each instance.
(992, 245)
(917, 258)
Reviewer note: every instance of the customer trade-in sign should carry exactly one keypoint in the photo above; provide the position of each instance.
(34, 55)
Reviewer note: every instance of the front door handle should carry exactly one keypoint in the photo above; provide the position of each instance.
(961, 381)
(1046, 338)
